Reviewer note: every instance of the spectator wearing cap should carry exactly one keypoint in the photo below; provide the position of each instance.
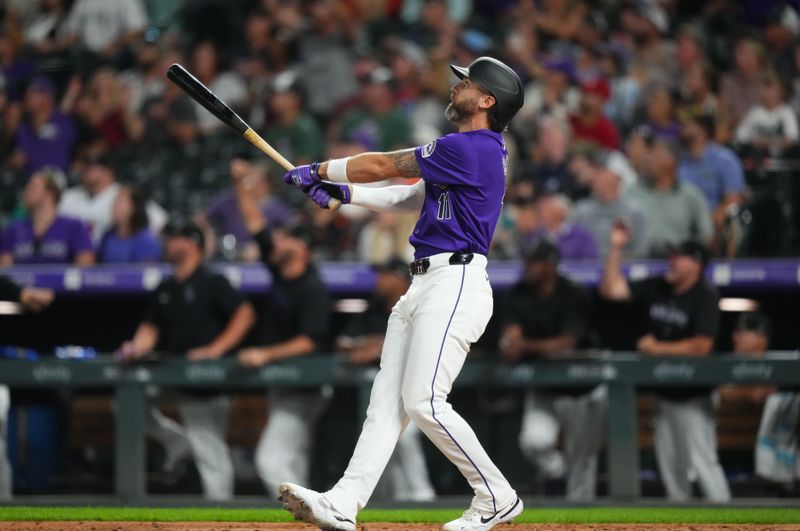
(712, 168)
(546, 316)
(772, 123)
(376, 119)
(750, 338)
(294, 322)
(46, 136)
(222, 220)
(362, 340)
(739, 88)
(660, 113)
(92, 201)
(197, 315)
(46, 237)
(683, 314)
(292, 131)
(607, 206)
(573, 241)
(590, 123)
(129, 240)
(104, 28)
(676, 210)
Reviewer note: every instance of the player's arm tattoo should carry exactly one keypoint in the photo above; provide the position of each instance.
(406, 162)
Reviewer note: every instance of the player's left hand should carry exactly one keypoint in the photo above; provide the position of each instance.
(647, 344)
(253, 357)
(303, 177)
(322, 193)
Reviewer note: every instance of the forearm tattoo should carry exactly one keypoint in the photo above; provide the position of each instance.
(406, 162)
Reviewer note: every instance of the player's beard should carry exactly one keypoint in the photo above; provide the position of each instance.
(460, 111)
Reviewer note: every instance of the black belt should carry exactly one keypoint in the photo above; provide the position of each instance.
(420, 267)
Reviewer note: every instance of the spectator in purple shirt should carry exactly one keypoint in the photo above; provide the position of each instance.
(129, 239)
(46, 136)
(45, 237)
(222, 218)
(573, 241)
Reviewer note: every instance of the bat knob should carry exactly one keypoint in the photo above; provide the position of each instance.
(334, 204)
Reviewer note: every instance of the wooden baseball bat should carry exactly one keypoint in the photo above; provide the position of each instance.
(202, 95)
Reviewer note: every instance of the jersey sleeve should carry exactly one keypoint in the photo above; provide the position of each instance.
(644, 291)
(705, 316)
(450, 160)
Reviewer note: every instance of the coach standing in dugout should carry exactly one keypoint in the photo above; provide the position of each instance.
(33, 299)
(196, 313)
(294, 322)
(683, 317)
(546, 316)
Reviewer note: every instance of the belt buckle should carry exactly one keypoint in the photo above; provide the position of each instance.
(419, 267)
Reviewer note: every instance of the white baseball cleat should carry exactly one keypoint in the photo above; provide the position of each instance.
(474, 520)
(312, 507)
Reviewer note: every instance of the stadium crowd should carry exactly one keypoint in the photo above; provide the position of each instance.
(650, 129)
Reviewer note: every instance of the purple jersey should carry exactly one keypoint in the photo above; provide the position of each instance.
(465, 180)
(50, 145)
(62, 242)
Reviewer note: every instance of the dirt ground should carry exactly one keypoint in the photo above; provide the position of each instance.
(210, 526)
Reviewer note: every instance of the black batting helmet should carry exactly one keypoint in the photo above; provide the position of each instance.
(499, 80)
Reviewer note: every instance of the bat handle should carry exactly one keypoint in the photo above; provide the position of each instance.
(334, 204)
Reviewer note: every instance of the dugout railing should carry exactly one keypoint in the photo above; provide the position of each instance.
(622, 373)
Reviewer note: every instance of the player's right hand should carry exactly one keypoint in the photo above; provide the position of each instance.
(303, 177)
(322, 193)
(620, 234)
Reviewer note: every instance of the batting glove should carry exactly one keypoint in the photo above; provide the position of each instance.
(303, 177)
(322, 193)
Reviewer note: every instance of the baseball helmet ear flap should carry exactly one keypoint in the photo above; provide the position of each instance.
(499, 80)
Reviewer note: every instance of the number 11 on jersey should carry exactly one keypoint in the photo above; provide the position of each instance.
(444, 206)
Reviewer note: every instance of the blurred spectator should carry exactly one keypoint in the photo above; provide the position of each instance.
(554, 95)
(772, 123)
(637, 149)
(35, 299)
(573, 241)
(690, 46)
(294, 322)
(45, 237)
(647, 23)
(15, 66)
(362, 340)
(143, 80)
(547, 316)
(195, 314)
(712, 168)
(329, 231)
(626, 88)
(559, 20)
(104, 109)
(104, 27)
(590, 123)
(608, 206)
(683, 318)
(376, 122)
(92, 201)
(676, 210)
(222, 218)
(208, 65)
(660, 113)
(292, 132)
(261, 53)
(129, 240)
(46, 137)
(750, 338)
(385, 235)
(740, 88)
(550, 168)
(698, 97)
(41, 26)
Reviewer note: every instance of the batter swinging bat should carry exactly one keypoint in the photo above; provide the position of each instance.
(200, 93)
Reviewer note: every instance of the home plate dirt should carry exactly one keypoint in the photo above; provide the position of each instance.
(258, 526)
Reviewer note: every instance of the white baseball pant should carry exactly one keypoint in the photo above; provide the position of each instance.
(582, 419)
(427, 340)
(5, 466)
(686, 446)
(205, 424)
(284, 450)
(406, 471)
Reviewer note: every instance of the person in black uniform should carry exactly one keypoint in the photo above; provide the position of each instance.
(546, 316)
(362, 340)
(198, 315)
(294, 322)
(683, 317)
(33, 299)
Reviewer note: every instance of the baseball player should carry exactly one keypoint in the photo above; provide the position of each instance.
(446, 308)
(33, 299)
